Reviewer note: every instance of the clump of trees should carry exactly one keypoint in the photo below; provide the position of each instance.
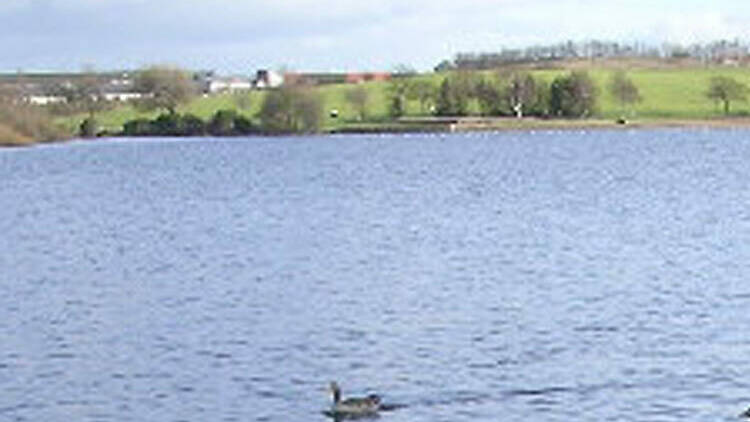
(455, 93)
(517, 94)
(292, 109)
(166, 124)
(573, 95)
(222, 123)
(524, 95)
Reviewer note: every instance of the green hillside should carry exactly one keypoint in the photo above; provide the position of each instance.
(670, 93)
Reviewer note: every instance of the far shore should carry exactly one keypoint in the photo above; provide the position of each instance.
(469, 124)
(479, 124)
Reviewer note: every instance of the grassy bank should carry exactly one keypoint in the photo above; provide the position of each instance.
(671, 95)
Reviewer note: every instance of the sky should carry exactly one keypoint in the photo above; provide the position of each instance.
(239, 36)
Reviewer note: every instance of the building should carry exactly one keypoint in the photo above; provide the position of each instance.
(120, 88)
(55, 88)
(208, 82)
(43, 99)
(326, 78)
(268, 79)
(217, 85)
(360, 77)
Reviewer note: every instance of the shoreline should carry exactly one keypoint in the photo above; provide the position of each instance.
(476, 124)
(485, 124)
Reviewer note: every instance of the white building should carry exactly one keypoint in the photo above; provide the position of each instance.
(268, 79)
(40, 99)
(227, 85)
(122, 96)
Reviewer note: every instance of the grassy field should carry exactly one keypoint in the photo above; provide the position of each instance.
(668, 93)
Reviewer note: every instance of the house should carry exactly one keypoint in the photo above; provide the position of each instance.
(56, 88)
(120, 88)
(110, 94)
(43, 99)
(232, 84)
(211, 83)
(268, 79)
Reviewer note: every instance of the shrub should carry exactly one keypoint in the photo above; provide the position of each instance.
(230, 123)
(138, 127)
(174, 124)
(88, 128)
(29, 123)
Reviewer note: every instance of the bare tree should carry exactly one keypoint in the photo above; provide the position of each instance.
(624, 90)
(359, 98)
(165, 87)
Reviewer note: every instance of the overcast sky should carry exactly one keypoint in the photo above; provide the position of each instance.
(238, 36)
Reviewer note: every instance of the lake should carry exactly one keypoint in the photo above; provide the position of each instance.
(518, 276)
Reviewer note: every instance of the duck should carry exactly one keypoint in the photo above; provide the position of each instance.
(353, 406)
(745, 414)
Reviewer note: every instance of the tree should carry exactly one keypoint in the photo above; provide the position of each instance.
(90, 93)
(573, 95)
(164, 87)
(522, 94)
(422, 90)
(292, 109)
(396, 91)
(725, 89)
(489, 95)
(455, 93)
(623, 89)
(84, 94)
(358, 97)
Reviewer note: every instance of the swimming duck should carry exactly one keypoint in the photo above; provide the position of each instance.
(353, 406)
(745, 414)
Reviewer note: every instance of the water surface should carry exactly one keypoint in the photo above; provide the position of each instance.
(551, 276)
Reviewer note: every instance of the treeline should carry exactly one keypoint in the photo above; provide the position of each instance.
(461, 93)
(713, 52)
